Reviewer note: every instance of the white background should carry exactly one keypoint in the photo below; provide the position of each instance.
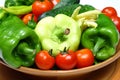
(99, 4)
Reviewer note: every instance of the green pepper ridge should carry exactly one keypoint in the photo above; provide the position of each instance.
(103, 39)
(19, 43)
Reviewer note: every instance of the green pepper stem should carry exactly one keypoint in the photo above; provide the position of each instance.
(59, 34)
(31, 23)
(24, 49)
(99, 44)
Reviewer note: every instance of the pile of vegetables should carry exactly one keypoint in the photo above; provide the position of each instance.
(56, 34)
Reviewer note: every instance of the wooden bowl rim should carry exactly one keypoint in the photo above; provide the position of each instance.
(61, 73)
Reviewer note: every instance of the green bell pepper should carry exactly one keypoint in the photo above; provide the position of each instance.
(103, 39)
(18, 43)
(9, 3)
(58, 32)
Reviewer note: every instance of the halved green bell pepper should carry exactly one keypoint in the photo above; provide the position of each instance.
(18, 43)
(103, 39)
(58, 32)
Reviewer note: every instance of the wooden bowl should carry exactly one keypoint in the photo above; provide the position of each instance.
(66, 74)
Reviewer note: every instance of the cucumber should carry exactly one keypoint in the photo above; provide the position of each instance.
(66, 2)
(67, 10)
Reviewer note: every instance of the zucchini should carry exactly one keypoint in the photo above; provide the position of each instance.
(66, 2)
(67, 10)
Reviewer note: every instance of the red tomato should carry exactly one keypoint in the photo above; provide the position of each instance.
(28, 17)
(41, 6)
(109, 11)
(85, 58)
(116, 21)
(44, 60)
(66, 61)
(112, 13)
(55, 2)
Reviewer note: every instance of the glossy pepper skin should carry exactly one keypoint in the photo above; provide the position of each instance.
(103, 39)
(9, 3)
(18, 43)
(58, 32)
(18, 7)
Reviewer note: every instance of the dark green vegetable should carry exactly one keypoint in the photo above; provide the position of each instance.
(9, 3)
(103, 39)
(18, 43)
(66, 3)
(67, 10)
(86, 7)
